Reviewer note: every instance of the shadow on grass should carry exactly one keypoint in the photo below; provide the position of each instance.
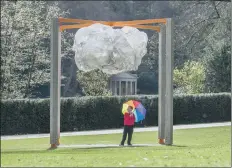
(28, 151)
(179, 146)
(158, 147)
(62, 150)
(23, 151)
(105, 147)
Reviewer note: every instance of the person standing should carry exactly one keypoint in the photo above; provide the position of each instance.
(129, 120)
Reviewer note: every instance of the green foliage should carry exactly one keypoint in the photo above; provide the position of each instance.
(94, 83)
(190, 78)
(199, 25)
(218, 70)
(25, 45)
(90, 113)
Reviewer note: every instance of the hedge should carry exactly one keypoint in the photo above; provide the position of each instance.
(91, 113)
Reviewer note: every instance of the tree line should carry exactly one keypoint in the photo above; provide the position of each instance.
(201, 55)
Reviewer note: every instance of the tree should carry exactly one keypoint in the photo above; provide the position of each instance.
(196, 23)
(218, 70)
(190, 79)
(148, 83)
(25, 45)
(94, 83)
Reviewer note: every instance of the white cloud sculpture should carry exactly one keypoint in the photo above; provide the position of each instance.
(111, 50)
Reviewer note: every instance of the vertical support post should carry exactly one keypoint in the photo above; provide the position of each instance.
(169, 83)
(162, 85)
(55, 84)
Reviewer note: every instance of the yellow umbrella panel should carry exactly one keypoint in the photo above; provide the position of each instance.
(126, 105)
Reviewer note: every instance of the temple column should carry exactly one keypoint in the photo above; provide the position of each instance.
(115, 87)
(126, 87)
(135, 87)
(120, 88)
(131, 88)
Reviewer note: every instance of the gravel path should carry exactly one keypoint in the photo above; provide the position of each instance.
(115, 131)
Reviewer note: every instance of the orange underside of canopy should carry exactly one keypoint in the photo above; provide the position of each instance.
(80, 23)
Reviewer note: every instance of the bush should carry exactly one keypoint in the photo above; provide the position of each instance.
(94, 83)
(147, 83)
(190, 79)
(90, 113)
(218, 70)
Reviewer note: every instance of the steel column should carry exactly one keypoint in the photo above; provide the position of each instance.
(169, 83)
(162, 85)
(55, 84)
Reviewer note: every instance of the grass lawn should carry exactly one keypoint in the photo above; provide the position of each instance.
(192, 147)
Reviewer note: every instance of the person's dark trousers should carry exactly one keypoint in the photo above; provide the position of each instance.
(127, 130)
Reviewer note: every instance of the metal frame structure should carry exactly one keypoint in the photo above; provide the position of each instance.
(165, 110)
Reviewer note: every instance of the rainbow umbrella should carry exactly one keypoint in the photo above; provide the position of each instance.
(138, 109)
